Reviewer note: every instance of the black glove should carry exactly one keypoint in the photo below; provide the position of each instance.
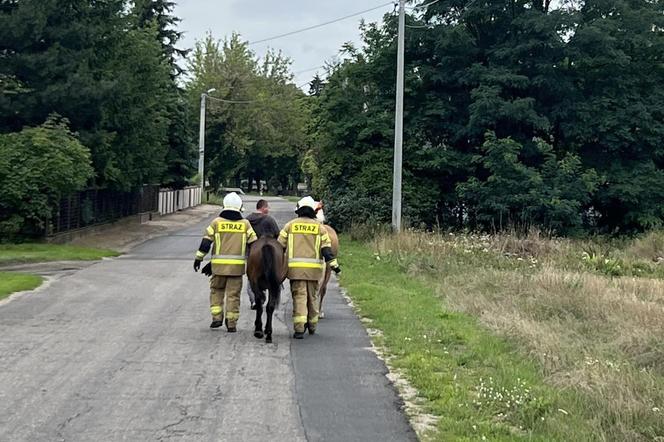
(197, 264)
(207, 270)
(337, 269)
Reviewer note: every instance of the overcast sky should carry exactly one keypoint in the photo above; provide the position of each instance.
(258, 19)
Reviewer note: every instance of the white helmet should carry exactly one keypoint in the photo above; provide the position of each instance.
(307, 201)
(232, 201)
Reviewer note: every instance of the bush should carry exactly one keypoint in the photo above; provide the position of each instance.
(38, 166)
(354, 208)
(552, 194)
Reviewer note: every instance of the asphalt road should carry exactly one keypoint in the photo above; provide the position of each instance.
(121, 350)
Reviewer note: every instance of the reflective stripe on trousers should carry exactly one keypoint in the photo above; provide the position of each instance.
(228, 259)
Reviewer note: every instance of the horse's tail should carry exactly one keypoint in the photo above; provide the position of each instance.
(270, 274)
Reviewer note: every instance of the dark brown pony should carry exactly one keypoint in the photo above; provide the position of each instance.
(266, 270)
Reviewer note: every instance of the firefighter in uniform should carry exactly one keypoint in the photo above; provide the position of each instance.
(228, 236)
(308, 248)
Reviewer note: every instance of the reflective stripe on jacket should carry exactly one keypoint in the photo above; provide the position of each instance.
(229, 245)
(304, 238)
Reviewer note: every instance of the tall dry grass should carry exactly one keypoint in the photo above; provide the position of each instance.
(590, 313)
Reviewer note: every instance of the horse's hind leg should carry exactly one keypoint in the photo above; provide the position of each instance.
(258, 324)
(271, 306)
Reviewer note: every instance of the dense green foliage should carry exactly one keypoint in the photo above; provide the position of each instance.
(37, 167)
(517, 113)
(552, 194)
(256, 118)
(180, 157)
(109, 68)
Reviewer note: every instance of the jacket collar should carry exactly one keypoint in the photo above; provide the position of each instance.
(231, 215)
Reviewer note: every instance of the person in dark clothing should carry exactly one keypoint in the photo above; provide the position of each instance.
(264, 225)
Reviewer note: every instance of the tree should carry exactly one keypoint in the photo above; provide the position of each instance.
(136, 115)
(584, 79)
(37, 167)
(552, 194)
(316, 86)
(616, 115)
(180, 156)
(88, 62)
(257, 117)
(55, 52)
(159, 13)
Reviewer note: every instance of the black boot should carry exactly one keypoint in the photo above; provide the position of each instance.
(298, 335)
(253, 306)
(308, 327)
(216, 324)
(230, 329)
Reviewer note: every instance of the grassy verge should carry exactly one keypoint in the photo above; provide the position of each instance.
(520, 339)
(17, 282)
(212, 198)
(37, 252)
(11, 282)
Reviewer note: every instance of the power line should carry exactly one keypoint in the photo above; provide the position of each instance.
(394, 11)
(309, 28)
(325, 24)
(231, 101)
(308, 70)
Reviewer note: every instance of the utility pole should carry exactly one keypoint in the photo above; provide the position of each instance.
(398, 123)
(201, 142)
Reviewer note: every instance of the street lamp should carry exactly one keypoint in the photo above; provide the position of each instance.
(201, 141)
